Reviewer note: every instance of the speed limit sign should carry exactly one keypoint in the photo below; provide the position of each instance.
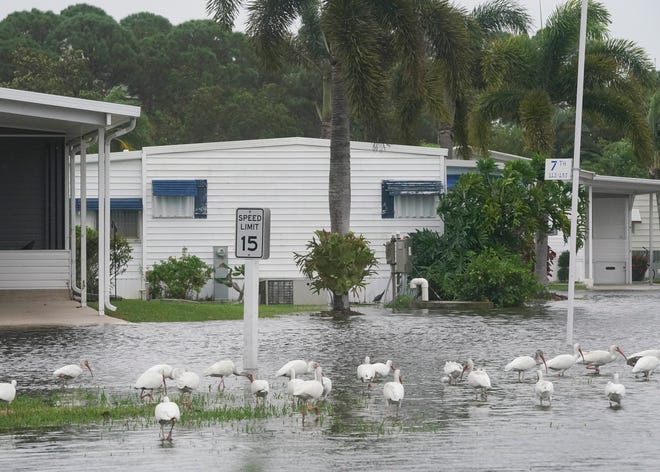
(253, 233)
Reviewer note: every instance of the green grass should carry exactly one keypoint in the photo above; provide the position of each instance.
(563, 286)
(58, 409)
(137, 311)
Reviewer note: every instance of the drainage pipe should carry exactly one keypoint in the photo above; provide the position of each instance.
(425, 287)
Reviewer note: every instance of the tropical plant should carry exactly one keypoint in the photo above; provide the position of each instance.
(238, 271)
(563, 262)
(120, 256)
(336, 262)
(181, 278)
(529, 81)
(360, 41)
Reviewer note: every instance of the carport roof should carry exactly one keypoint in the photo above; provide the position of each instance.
(607, 184)
(71, 117)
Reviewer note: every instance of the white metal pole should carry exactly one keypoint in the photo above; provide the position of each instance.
(576, 170)
(250, 313)
(651, 268)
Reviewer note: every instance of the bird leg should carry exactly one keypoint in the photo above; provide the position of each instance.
(169, 436)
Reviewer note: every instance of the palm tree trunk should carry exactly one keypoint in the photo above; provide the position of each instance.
(339, 185)
(541, 257)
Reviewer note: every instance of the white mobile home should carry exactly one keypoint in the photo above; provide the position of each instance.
(170, 197)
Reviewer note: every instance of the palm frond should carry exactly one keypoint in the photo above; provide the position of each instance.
(224, 12)
(502, 15)
(269, 27)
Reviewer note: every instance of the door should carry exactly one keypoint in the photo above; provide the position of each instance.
(610, 243)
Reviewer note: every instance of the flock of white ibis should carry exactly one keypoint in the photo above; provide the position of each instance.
(307, 393)
(643, 363)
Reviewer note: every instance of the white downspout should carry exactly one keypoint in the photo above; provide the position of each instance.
(106, 152)
(71, 192)
(425, 287)
(651, 267)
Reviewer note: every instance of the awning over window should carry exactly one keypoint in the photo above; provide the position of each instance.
(115, 204)
(174, 188)
(412, 187)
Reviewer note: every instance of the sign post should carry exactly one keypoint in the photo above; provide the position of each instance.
(252, 243)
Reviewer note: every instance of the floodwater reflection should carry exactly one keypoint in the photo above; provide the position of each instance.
(440, 427)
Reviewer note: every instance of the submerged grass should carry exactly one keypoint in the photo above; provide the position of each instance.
(139, 311)
(59, 409)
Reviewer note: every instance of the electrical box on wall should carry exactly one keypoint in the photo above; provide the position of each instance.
(398, 254)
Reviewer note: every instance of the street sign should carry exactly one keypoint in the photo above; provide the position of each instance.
(558, 169)
(252, 233)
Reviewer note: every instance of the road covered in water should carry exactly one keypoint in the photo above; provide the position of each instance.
(440, 426)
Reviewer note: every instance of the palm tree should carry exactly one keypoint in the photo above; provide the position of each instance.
(529, 81)
(359, 42)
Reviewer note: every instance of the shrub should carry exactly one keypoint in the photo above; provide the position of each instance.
(179, 278)
(639, 265)
(336, 262)
(120, 256)
(563, 262)
(503, 279)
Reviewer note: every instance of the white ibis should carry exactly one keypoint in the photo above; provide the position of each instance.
(382, 369)
(8, 392)
(524, 363)
(167, 412)
(148, 382)
(477, 379)
(633, 358)
(646, 365)
(259, 388)
(165, 370)
(186, 382)
(453, 371)
(301, 367)
(326, 381)
(293, 383)
(596, 359)
(615, 391)
(393, 392)
(366, 372)
(563, 362)
(72, 371)
(222, 369)
(543, 389)
(310, 391)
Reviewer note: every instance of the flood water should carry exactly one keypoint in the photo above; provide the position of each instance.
(439, 427)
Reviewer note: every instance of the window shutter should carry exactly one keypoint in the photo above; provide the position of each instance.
(200, 199)
(387, 201)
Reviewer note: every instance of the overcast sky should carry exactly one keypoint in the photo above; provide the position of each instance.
(636, 20)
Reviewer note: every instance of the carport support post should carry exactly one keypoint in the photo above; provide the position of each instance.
(250, 313)
(576, 170)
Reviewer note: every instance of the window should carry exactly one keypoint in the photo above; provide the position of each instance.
(179, 198)
(125, 215)
(410, 198)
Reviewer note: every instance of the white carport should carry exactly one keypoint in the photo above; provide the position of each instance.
(608, 253)
(68, 126)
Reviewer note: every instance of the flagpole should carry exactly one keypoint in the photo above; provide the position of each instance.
(576, 171)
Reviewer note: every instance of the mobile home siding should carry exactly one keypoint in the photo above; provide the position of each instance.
(289, 176)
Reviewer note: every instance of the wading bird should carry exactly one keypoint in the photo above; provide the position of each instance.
(563, 362)
(301, 367)
(148, 382)
(477, 379)
(524, 363)
(8, 392)
(167, 412)
(366, 371)
(310, 391)
(71, 372)
(222, 369)
(543, 389)
(393, 392)
(453, 371)
(186, 382)
(596, 359)
(646, 365)
(258, 388)
(615, 391)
